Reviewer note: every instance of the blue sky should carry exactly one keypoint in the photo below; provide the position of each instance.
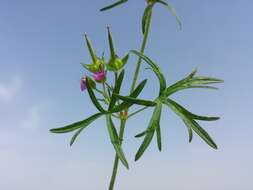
(40, 53)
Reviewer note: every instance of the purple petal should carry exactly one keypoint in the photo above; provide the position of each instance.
(83, 84)
(99, 76)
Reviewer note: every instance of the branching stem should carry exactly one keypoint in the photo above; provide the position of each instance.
(123, 121)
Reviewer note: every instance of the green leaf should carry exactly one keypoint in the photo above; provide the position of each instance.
(140, 134)
(77, 133)
(181, 114)
(172, 11)
(135, 100)
(77, 125)
(117, 86)
(134, 94)
(91, 50)
(190, 123)
(115, 140)
(192, 82)
(203, 134)
(146, 16)
(155, 68)
(93, 97)
(204, 80)
(197, 86)
(153, 124)
(158, 137)
(173, 88)
(117, 3)
(192, 115)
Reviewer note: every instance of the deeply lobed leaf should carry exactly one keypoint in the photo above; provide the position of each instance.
(153, 124)
(77, 125)
(192, 82)
(191, 124)
(191, 115)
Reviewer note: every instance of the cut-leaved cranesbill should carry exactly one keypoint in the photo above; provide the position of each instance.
(108, 99)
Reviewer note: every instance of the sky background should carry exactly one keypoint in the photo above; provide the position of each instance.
(41, 47)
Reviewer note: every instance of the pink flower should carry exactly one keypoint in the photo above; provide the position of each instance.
(99, 76)
(83, 83)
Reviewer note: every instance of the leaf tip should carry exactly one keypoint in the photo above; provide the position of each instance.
(53, 130)
(136, 158)
(71, 142)
(215, 146)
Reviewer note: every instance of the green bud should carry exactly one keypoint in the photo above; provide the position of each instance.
(96, 66)
(97, 63)
(115, 63)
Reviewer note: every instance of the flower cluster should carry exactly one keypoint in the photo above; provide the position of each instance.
(99, 67)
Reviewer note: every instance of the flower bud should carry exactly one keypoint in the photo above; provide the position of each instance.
(83, 83)
(100, 76)
(95, 66)
(97, 63)
(115, 63)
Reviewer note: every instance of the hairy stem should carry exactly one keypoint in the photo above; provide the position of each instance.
(116, 160)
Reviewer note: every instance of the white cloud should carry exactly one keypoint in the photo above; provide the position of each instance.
(9, 90)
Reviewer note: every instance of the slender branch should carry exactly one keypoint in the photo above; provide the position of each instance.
(143, 46)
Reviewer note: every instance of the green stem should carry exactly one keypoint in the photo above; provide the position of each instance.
(116, 159)
(143, 46)
(123, 121)
(107, 98)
